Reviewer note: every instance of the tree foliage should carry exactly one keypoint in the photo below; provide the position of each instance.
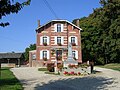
(101, 33)
(10, 6)
(31, 47)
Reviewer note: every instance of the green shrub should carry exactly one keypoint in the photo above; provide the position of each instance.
(42, 69)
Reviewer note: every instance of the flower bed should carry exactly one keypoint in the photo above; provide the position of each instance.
(71, 73)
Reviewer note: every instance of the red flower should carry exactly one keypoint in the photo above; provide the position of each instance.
(79, 73)
(72, 73)
(65, 72)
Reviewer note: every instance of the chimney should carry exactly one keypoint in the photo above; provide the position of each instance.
(38, 23)
(78, 22)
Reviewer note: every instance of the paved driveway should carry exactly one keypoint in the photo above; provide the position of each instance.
(32, 79)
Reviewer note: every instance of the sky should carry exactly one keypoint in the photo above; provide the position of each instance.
(21, 31)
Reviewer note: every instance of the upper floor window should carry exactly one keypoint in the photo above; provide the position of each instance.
(58, 40)
(58, 27)
(72, 39)
(44, 39)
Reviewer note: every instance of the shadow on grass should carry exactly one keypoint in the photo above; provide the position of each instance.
(12, 81)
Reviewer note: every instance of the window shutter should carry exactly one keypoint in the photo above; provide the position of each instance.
(55, 27)
(41, 54)
(62, 27)
(62, 40)
(55, 39)
(76, 41)
(48, 40)
(69, 40)
(48, 55)
(76, 52)
(41, 40)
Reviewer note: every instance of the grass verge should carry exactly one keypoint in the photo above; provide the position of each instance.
(47, 72)
(42, 69)
(8, 81)
(114, 66)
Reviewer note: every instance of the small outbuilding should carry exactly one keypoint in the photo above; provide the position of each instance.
(12, 59)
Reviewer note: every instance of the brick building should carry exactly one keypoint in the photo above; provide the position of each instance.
(52, 43)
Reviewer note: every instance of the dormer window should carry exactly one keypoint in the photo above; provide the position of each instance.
(58, 27)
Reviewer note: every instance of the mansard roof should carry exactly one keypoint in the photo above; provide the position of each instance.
(59, 20)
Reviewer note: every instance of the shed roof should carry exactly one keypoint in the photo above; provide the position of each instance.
(10, 55)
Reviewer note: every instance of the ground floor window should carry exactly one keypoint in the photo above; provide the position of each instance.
(44, 54)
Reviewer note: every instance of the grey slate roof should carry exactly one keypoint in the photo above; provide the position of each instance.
(10, 55)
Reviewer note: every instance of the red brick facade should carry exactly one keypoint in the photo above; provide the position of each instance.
(47, 47)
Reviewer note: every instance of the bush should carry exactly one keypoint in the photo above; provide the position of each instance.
(42, 69)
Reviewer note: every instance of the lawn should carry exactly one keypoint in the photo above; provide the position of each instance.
(8, 81)
(114, 66)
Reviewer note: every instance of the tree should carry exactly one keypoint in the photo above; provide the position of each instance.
(101, 33)
(8, 7)
(31, 47)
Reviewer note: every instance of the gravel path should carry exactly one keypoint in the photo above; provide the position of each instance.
(32, 79)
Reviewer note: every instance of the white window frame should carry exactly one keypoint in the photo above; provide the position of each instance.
(41, 40)
(56, 27)
(41, 54)
(45, 39)
(76, 54)
(59, 40)
(76, 40)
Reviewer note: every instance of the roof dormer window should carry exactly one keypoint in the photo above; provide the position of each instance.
(58, 27)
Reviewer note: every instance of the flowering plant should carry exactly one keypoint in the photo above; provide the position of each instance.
(45, 44)
(73, 44)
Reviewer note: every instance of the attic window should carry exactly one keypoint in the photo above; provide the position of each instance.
(58, 27)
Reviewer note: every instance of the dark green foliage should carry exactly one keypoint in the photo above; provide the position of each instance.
(8, 7)
(101, 33)
(31, 47)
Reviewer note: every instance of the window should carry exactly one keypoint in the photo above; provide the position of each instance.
(44, 54)
(58, 40)
(33, 56)
(44, 39)
(73, 53)
(58, 27)
(72, 39)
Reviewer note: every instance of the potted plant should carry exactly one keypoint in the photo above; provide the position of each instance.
(59, 57)
(59, 44)
(73, 44)
(52, 53)
(45, 58)
(45, 44)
